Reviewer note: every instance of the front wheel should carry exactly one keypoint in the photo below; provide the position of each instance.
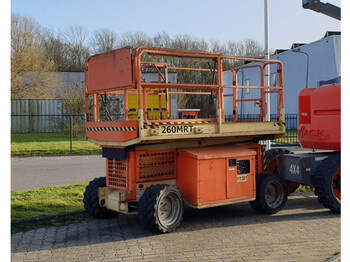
(271, 166)
(271, 193)
(91, 202)
(161, 208)
(327, 183)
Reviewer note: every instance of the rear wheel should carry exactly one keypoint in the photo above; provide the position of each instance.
(161, 208)
(328, 183)
(271, 166)
(91, 202)
(271, 193)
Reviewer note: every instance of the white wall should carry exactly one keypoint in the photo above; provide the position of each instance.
(324, 64)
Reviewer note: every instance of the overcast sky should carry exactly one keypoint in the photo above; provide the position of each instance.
(223, 20)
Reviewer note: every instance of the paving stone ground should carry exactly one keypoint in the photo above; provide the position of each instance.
(303, 231)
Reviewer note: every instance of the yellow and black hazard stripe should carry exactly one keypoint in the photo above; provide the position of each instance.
(158, 124)
(118, 129)
(148, 126)
(279, 124)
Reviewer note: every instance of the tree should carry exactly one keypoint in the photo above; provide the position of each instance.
(31, 72)
(72, 99)
(162, 40)
(135, 40)
(36, 51)
(24, 32)
(32, 75)
(186, 42)
(55, 50)
(217, 47)
(103, 41)
(74, 39)
(253, 48)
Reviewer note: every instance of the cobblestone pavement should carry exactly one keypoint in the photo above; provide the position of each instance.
(303, 231)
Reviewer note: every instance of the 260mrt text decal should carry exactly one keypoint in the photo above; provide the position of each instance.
(176, 129)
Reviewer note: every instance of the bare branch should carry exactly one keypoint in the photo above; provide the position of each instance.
(103, 41)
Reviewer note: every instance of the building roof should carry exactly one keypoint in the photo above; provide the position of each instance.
(329, 33)
(296, 45)
(278, 51)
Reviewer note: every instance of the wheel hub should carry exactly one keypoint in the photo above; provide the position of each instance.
(168, 209)
(163, 208)
(273, 194)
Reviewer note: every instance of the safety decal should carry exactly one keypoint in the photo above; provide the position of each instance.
(178, 124)
(120, 129)
(242, 178)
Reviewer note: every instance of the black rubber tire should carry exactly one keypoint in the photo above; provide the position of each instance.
(150, 208)
(267, 184)
(91, 203)
(271, 166)
(327, 180)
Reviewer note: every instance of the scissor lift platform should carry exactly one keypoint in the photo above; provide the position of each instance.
(120, 74)
(128, 133)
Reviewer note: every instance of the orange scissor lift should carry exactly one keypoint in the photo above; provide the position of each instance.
(155, 166)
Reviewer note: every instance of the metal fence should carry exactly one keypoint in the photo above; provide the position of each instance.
(74, 124)
(291, 137)
(46, 123)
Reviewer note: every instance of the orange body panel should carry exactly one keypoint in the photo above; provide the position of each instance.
(187, 178)
(121, 174)
(237, 189)
(155, 165)
(109, 70)
(319, 117)
(212, 180)
(139, 167)
(260, 157)
(205, 176)
(112, 131)
(210, 175)
(131, 160)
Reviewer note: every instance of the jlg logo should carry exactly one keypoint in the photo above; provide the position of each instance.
(320, 133)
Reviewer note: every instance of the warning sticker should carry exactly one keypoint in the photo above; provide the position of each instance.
(242, 178)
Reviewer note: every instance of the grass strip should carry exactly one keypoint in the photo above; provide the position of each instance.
(303, 188)
(41, 203)
(48, 201)
(38, 144)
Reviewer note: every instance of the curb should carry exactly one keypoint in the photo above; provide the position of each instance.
(39, 220)
(334, 258)
(40, 157)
